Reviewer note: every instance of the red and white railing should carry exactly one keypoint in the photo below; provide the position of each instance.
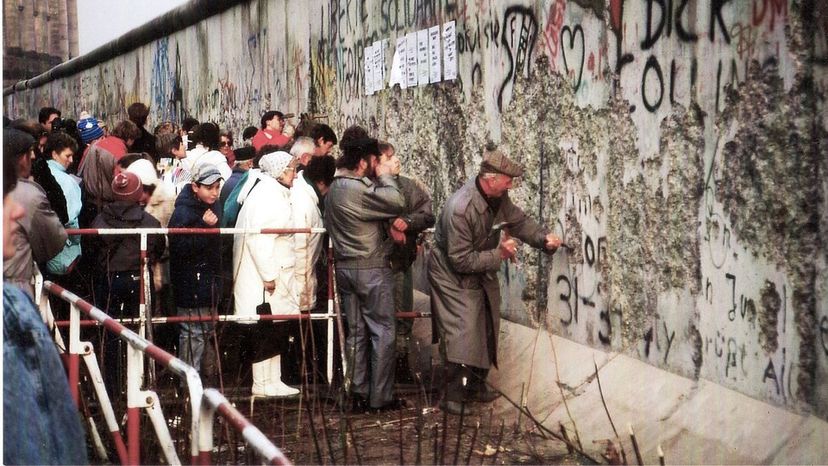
(201, 422)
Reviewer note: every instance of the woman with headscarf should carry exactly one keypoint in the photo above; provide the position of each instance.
(263, 266)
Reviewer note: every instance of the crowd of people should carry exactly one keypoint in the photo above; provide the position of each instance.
(79, 174)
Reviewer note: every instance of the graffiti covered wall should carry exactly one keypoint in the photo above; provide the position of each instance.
(678, 146)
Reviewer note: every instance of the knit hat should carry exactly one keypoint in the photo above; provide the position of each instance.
(495, 161)
(275, 163)
(89, 128)
(145, 171)
(127, 187)
(244, 153)
(206, 174)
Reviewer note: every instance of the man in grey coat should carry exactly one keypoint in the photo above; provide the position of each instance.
(465, 292)
(358, 208)
(40, 235)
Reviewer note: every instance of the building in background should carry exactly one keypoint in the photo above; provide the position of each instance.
(37, 35)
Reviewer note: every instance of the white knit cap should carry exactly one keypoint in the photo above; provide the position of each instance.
(145, 171)
(275, 163)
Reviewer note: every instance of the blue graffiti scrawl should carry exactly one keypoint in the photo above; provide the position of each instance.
(161, 81)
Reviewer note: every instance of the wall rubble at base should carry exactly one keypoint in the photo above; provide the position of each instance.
(679, 147)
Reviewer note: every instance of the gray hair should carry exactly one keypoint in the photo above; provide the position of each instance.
(303, 145)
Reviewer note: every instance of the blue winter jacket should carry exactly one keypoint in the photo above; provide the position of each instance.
(195, 260)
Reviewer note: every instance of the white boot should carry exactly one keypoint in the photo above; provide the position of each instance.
(261, 379)
(267, 379)
(280, 388)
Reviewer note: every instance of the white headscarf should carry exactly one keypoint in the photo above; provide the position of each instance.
(275, 163)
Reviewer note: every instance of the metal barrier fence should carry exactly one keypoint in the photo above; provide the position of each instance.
(145, 322)
(203, 403)
(139, 345)
(145, 297)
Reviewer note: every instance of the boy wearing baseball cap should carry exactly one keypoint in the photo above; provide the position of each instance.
(195, 264)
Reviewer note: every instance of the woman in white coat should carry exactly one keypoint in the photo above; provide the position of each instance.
(263, 265)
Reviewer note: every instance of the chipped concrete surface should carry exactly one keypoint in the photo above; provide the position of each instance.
(681, 154)
(694, 421)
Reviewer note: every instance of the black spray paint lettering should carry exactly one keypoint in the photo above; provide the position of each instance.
(573, 313)
(708, 291)
(399, 15)
(570, 46)
(733, 358)
(652, 65)
(745, 306)
(734, 79)
(716, 18)
(652, 336)
(718, 348)
(666, 18)
(621, 58)
(491, 31)
(605, 339)
(571, 296)
(823, 333)
(520, 31)
(589, 251)
(468, 40)
(731, 313)
(779, 382)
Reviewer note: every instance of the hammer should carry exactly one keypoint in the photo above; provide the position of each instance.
(503, 226)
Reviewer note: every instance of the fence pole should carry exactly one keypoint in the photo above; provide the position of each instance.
(106, 405)
(135, 378)
(73, 357)
(205, 432)
(330, 348)
(145, 303)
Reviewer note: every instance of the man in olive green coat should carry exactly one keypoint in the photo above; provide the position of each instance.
(465, 292)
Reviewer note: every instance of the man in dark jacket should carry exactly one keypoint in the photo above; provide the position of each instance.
(404, 230)
(195, 264)
(357, 211)
(117, 282)
(138, 114)
(465, 292)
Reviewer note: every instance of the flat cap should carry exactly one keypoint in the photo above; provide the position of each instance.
(495, 161)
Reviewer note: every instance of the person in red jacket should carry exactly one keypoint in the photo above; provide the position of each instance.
(273, 122)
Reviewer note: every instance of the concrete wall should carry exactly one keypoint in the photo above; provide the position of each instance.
(678, 145)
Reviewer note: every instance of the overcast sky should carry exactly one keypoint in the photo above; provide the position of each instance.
(101, 21)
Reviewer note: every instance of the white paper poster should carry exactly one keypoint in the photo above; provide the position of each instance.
(434, 54)
(411, 66)
(384, 55)
(422, 57)
(398, 75)
(449, 52)
(378, 60)
(369, 71)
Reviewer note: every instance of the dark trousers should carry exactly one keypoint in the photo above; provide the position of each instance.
(453, 387)
(368, 304)
(119, 295)
(403, 302)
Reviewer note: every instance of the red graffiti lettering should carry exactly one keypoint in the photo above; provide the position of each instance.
(552, 32)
